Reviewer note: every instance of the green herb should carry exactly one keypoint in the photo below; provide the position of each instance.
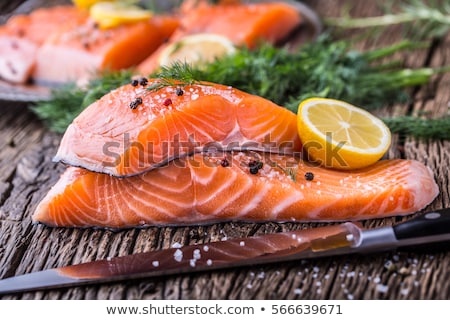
(424, 18)
(324, 68)
(178, 74)
(289, 171)
(420, 128)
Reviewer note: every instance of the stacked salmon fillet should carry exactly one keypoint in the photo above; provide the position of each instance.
(209, 153)
(187, 154)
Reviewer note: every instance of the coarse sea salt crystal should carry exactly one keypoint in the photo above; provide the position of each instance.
(192, 262)
(178, 255)
(298, 291)
(205, 248)
(176, 245)
(404, 292)
(196, 254)
(155, 263)
(382, 288)
(242, 243)
(209, 262)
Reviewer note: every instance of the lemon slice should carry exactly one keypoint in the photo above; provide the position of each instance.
(197, 49)
(113, 14)
(339, 135)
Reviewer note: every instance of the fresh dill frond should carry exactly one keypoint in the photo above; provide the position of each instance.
(324, 68)
(177, 74)
(425, 19)
(437, 128)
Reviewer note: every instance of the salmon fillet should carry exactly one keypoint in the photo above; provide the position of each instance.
(243, 24)
(206, 188)
(75, 54)
(111, 137)
(60, 44)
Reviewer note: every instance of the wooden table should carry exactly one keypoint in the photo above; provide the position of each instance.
(27, 172)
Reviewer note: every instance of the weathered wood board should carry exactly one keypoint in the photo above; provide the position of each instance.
(27, 173)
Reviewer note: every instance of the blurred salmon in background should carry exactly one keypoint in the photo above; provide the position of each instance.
(244, 24)
(22, 35)
(74, 42)
(63, 43)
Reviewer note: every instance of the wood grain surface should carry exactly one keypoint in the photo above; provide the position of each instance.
(27, 173)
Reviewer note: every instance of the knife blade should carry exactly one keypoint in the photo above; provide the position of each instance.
(344, 238)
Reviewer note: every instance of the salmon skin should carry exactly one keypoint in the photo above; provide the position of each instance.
(243, 23)
(217, 187)
(134, 129)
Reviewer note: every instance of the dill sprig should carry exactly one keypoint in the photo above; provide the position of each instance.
(423, 18)
(288, 171)
(438, 128)
(178, 74)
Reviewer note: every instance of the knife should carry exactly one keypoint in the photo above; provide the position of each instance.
(345, 238)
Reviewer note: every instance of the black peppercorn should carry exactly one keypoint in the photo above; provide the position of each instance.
(309, 176)
(134, 82)
(253, 170)
(143, 81)
(255, 166)
(179, 92)
(135, 103)
(224, 162)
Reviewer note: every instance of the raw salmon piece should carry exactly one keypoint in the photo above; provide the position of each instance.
(206, 189)
(243, 24)
(78, 53)
(111, 137)
(39, 24)
(17, 59)
(22, 35)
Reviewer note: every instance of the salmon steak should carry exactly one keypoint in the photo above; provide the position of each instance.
(237, 186)
(134, 128)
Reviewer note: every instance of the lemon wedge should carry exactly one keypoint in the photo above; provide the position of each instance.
(197, 49)
(113, 14)
(339, 135)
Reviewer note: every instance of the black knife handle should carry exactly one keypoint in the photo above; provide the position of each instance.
(429, 224)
